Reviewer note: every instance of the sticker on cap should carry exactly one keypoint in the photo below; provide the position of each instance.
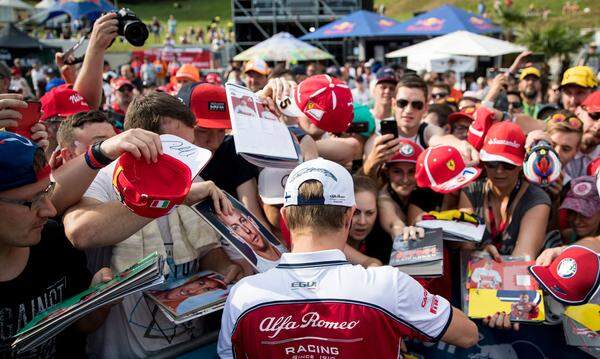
(216, 106)
(451, 165)
(407, 150)
(566, 268)
(583, 188)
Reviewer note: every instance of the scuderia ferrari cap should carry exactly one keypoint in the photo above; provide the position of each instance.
(338, 187)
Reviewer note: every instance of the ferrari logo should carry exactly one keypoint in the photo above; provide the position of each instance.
(451, 165)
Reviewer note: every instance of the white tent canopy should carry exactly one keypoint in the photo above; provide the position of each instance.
(15, 4)
(283, 47)
(437, 62)
(44, 4)
(460, 43)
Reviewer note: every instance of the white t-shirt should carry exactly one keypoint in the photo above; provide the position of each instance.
(363, 98)
(319, 305)
(486, 278)
(136, 327)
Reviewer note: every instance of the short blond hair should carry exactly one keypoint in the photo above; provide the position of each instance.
(319, 218)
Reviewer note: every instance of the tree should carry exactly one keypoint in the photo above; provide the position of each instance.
(509, 19)
(556, 40)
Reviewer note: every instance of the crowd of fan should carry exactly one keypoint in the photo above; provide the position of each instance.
(71, 230)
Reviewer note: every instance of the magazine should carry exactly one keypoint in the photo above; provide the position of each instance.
(144, 274)
(258, 134)
(579, 335)
(503, 286)
(243, 232)
(192, 297)
(422, 257)
(456, 230)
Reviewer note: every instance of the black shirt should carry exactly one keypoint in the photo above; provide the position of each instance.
(227, 169)
(54, 272)
(378, 244)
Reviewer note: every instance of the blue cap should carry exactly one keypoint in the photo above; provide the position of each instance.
(17, 156)
(386, 74)
(55, 82)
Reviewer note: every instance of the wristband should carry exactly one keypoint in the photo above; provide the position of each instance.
(91, 161)
(99, 155)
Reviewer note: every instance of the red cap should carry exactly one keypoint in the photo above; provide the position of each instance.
(62, 101)
(504, 142)
(119, 82)
(443, 170)
(466, 113)
(213, 78)
(151, 189)
(593, 167)
(483, 120)
(209, 104)
(409, 152)
(326, 101)
(592, 102)
(573, 277)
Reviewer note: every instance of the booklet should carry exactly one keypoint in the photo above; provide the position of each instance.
(258, 134)
(191, 297)
(579, 335)
(144, 274)
(243, 232)
(456, 230)
(422, 257)
(503, 287)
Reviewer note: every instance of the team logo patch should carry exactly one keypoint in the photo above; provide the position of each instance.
(582, 189)
(216, 106)
(407, 150)
(566, 268)
(451, 165)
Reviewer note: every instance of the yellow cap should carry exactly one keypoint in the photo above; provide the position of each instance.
(581, 76)
(530, 71)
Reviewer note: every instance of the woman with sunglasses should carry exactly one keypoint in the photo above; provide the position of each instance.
(516, 213)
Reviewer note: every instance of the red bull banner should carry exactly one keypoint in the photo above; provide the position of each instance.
(429, 24)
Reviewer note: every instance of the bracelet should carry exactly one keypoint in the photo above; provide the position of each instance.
(91, 161)
(99, 155)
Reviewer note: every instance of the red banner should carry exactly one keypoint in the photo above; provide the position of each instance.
(200, 58)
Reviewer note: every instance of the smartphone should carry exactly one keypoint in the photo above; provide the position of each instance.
(358, 127)
(389, 127)
(29, 117)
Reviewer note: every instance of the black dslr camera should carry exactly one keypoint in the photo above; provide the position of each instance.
(131, 27)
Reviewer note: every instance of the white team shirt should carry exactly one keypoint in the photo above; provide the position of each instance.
(486, 278)
(319, 304)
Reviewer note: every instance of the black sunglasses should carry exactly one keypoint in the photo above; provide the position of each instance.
(439, 95)
(125, 89)
(417, 105)
(516, 104)
(496, 164)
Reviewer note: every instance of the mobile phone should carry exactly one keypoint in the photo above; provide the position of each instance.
(358, 127)
(29, 117)
(389, 127)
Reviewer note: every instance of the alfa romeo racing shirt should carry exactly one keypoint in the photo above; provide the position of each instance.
(317, 305)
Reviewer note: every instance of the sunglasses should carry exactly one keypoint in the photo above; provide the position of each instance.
(515, 104)
(126, 89)
(573, 121)
(439, 95)
(496, 164)
(417, 105)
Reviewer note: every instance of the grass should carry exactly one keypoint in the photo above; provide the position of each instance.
(403, 10)
(189, 13)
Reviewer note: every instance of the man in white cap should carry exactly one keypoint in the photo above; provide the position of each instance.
(316, 303)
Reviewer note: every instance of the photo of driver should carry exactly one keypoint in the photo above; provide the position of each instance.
(244, 229)
(243, 106)
(486, 277)
(183, 298)
(524, 309)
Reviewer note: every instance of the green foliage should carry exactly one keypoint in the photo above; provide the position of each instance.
(556, 40)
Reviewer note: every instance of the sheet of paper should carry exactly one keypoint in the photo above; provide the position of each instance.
(255, 129)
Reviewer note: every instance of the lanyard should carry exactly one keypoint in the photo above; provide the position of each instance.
(496, 231)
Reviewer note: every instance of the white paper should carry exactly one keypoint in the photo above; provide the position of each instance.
(191, 155)
(255, 130)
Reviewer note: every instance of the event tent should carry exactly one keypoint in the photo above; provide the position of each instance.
(360, 24)
(437, 62)
(444, 20)
(460, 43)
(13, 38)
(283, 47)
(10, 10)
(77, 9)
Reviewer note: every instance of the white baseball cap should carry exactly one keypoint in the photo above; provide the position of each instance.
(271, 184)
(338, 187)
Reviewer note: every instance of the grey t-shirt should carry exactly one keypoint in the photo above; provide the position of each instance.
(532, 197)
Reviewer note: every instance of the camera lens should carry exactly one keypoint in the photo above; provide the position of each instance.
(135, 32)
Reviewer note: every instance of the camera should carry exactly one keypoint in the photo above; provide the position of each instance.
(131, 27)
